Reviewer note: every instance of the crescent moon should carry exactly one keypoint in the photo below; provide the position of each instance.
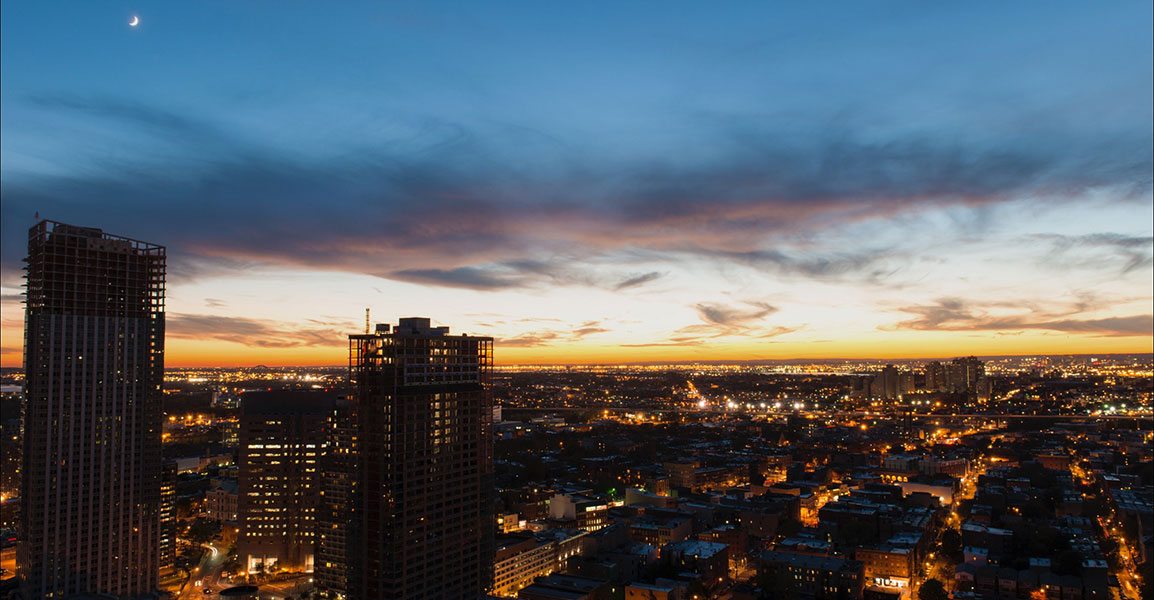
(134, 21)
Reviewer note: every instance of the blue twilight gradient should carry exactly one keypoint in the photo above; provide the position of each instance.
(509, 145)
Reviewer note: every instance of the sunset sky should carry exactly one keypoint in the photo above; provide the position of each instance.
(590, 182)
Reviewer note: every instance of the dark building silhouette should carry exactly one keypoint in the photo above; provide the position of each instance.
(94, 362)
(283, 437)
(423, 506)
(962, 374)
(891, 384)
(168, 520)
(337, 485)
(959, 376)
(935, 376)
(10, 453)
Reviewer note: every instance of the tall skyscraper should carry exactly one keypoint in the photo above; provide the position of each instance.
(423, 519)
(282, 440)
(94, 364)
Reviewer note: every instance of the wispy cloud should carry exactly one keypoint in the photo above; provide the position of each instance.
(529, 340)
(638, 280)
(1126, 253)
(873, 265)
(522, 274)
(718, 320)
(552, 336)
(673, 343)
(135, 116)
(251, 332)
(450, 205)
(954, 314)
(474, 278)
(734, 316)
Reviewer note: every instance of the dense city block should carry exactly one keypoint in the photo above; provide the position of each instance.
(1027, 478)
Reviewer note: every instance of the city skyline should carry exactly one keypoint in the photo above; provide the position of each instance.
(616, 185)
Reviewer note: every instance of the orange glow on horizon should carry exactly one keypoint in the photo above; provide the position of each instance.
(886, 346)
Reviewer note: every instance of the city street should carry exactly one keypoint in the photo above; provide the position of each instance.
(8, 563)
(1128, 573)
(938, 566)
(287, 587)
(205, 575)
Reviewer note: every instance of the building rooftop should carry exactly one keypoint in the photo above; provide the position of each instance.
(289, 402)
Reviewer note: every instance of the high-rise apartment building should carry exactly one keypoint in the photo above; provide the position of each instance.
(337, 489)
(282, 440)
(168, 520)
(935, 376)
(962, 374)
(423, 507)
(94, 362)
(891, 384)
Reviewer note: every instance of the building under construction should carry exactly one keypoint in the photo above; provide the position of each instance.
(94, 363)
(422, 519)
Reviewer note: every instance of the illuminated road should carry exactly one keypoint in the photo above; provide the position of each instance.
(1128, 573)
(8, 563)
(205, 575)
(293, 586)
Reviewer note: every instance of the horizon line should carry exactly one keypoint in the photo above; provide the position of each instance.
(750, 361)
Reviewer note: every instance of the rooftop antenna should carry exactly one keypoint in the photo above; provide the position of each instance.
(366, 321)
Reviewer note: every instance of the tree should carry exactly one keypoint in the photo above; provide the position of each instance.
(1109, 547)
(609, 485)
(952, 545)
(1146, 588)
(776, 584)
(933, 589)
(787, 527)
(697, 590)
(535, 469)
(202, 530)
(1069, 562)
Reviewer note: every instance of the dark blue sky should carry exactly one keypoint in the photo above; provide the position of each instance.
(527, 146)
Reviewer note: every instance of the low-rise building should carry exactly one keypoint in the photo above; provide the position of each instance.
(518, 561)
(709, 560)
(818, 577)
(220, 503)
(887, 565)
(582, 512)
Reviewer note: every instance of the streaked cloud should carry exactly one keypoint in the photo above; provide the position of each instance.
(1127, 253)
(253, 332)
(552, 336)
(638, 280)
(473, 278)
(444, 208)
(953, 314)
(734, 316)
